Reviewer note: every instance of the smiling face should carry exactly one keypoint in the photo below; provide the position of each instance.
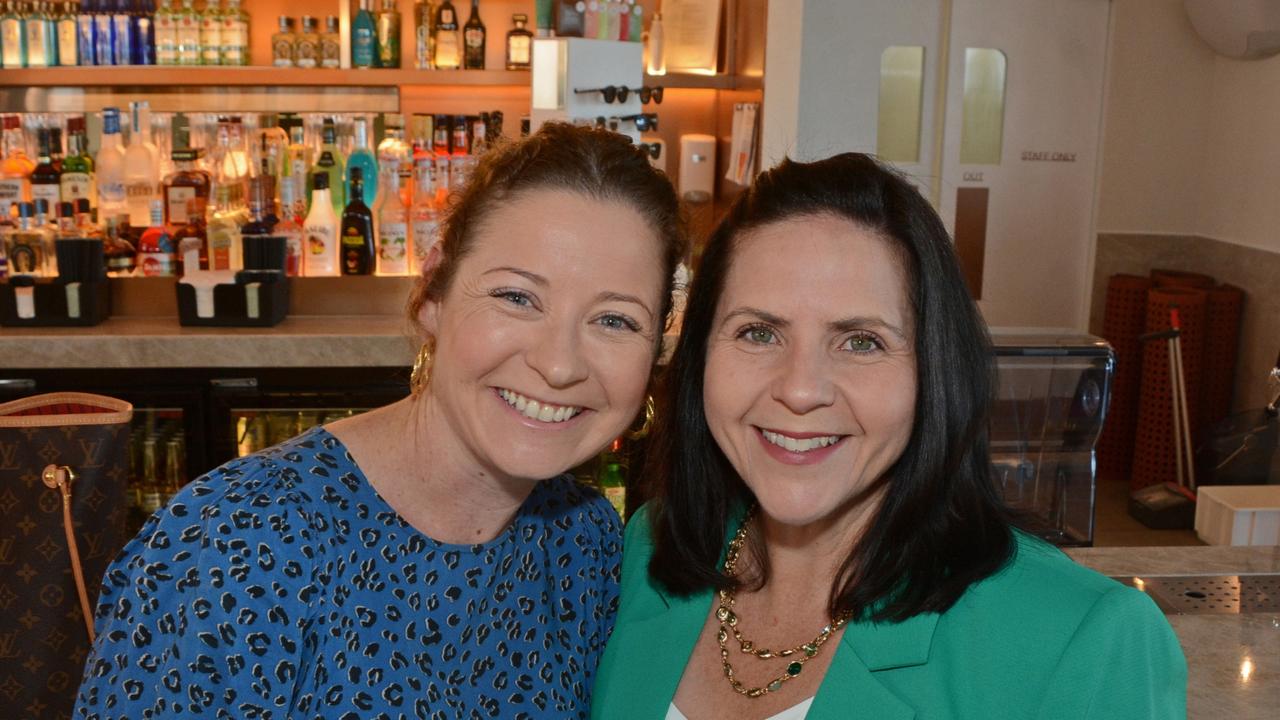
(810, 381)
(546, 335)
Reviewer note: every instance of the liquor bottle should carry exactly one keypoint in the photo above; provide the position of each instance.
(461, 161)
(175, 462)
(388, 23)
(393, 228)
(66, 219)
(424, 17)
(364, 38)
(85, 32)
(15, 169)
(440, 145)
(636, 27)
(85, 226)
(424, 215)
(235, 35)
(519, 44)
(190, 240)
(151, 501)
(270, 145)
(330, 44)
(104, 33)
(13, 37)
(157, 254)
(363, 159)
(320, 232)
(29, 247)
(330, 162)
(144, 33)
(65, 31)
(473, 36)
(211, 33)
(261, 219)
(613, 476)
(357, 231)
(306, 47)
(293, 173)
(45, 183)
(41, 43)
(141, 166)
(569, 18)
(55, 149)
(657, 64)
(187, 24)
(124, 34)
(282, 43)
(166, 33)
(447, 38)
(393, 152)
(228, 209)
(110, 167)
(187, 183)
(77, 179)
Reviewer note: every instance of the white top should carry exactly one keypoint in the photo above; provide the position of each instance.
(795, 712)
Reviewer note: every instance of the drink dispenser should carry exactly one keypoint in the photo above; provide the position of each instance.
(1052, 395)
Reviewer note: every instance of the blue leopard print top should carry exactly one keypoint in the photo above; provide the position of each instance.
(281, 585)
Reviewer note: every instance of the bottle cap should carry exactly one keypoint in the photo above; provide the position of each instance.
(82, 205)
(308, 23)
(286, 23)
(42, 206)
(26, 209)
(66, 208)
(331, 24)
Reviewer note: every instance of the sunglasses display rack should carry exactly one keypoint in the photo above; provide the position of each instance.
(591, 82)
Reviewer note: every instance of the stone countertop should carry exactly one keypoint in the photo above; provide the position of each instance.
(160, 342)
(1233, 661)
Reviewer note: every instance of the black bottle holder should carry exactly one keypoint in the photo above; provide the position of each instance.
(233, 304)
(56, 303)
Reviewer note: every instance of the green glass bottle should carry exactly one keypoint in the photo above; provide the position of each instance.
(330, 163)
(77, 178)
(612, 477)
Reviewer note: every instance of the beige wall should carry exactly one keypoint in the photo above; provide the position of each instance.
(1190, 144)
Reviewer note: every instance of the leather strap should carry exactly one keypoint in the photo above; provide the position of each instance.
(61, 477)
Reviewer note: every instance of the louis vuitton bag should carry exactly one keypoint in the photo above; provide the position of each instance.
(63, 473)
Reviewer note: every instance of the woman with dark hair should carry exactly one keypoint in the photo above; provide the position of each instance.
(432, 558)
(825, 540)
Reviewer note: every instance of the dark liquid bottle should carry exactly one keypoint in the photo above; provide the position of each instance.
(356, 242)
(473, 37)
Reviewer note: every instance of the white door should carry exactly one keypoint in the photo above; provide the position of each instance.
(1017, 182)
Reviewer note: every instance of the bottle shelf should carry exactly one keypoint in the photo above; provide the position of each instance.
(190, 78)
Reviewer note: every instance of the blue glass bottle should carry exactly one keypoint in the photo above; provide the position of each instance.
(104, 35)
(86, 32)
(362, 157)
(364, 38)
(144, 32)
(124, 40)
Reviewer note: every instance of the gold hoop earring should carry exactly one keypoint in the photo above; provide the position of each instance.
(421, 373)
(648, 420)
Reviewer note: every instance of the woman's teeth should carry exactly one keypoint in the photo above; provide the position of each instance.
(799, 445)
(534, 410)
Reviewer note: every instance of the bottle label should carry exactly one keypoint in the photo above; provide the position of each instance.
(519, 50)
(364, 45)
(306, 53)
(50, 193)
(111, 193)
(12, 190)
(67, 42)
(393, 256)
(76, 185)
(176, 198)
(319, 241)
(24, 256)
(140, 189)
(330, 53)
(157, 264)
(282, 52)
(426, 233)
(474, 38)
(210, 41)
(617, 497)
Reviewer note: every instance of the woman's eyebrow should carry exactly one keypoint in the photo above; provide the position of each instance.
(767, 317)
(861, 322)
(609, 295)
(532, 276)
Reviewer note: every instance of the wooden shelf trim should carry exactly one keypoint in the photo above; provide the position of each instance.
(179, 76)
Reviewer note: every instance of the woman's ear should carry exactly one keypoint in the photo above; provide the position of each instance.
(429, 315)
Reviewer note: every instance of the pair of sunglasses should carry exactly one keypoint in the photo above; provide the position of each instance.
(643, 121)
(620, 93)
(653, 149)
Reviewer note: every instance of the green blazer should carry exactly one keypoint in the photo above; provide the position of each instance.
(1042, 638)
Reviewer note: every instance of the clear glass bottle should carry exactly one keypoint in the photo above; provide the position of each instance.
(330, 44)
(424, 18)
(363, 159)
(211, 33)
(141, 166)
(86, 32)
(68, 43)
(293, 175)
(235, 35)
(270, 144)
(473, 38)
(306, 47)
(519, 44)
(13, 37)
(282, 44)
(29, 246)
(228, 209)
(424, 214)
(166, 27)
(77, 178)
(448, 37)
(331, 163)
(320, 232)
(110, 167)
(42, 48)
(394, 249)
(187, 21)
(16, 168)
(388, 23)
(364, 38)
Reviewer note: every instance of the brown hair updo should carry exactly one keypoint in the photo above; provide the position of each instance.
(597, 163)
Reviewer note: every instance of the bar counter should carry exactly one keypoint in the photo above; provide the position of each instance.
(1233, 660)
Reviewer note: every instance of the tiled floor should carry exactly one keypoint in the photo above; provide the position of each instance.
(1113, 526)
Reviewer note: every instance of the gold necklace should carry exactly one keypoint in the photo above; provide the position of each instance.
(729, 626)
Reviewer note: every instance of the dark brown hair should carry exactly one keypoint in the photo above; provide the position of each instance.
(941, 525)
(597, 163)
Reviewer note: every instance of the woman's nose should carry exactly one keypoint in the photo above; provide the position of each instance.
(803, 383)
(557, 356)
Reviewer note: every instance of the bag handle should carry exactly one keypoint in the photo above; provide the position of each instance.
(61, 477)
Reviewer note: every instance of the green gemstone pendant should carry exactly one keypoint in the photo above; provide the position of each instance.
(810, 651)
(794, 669)
(775, 686)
